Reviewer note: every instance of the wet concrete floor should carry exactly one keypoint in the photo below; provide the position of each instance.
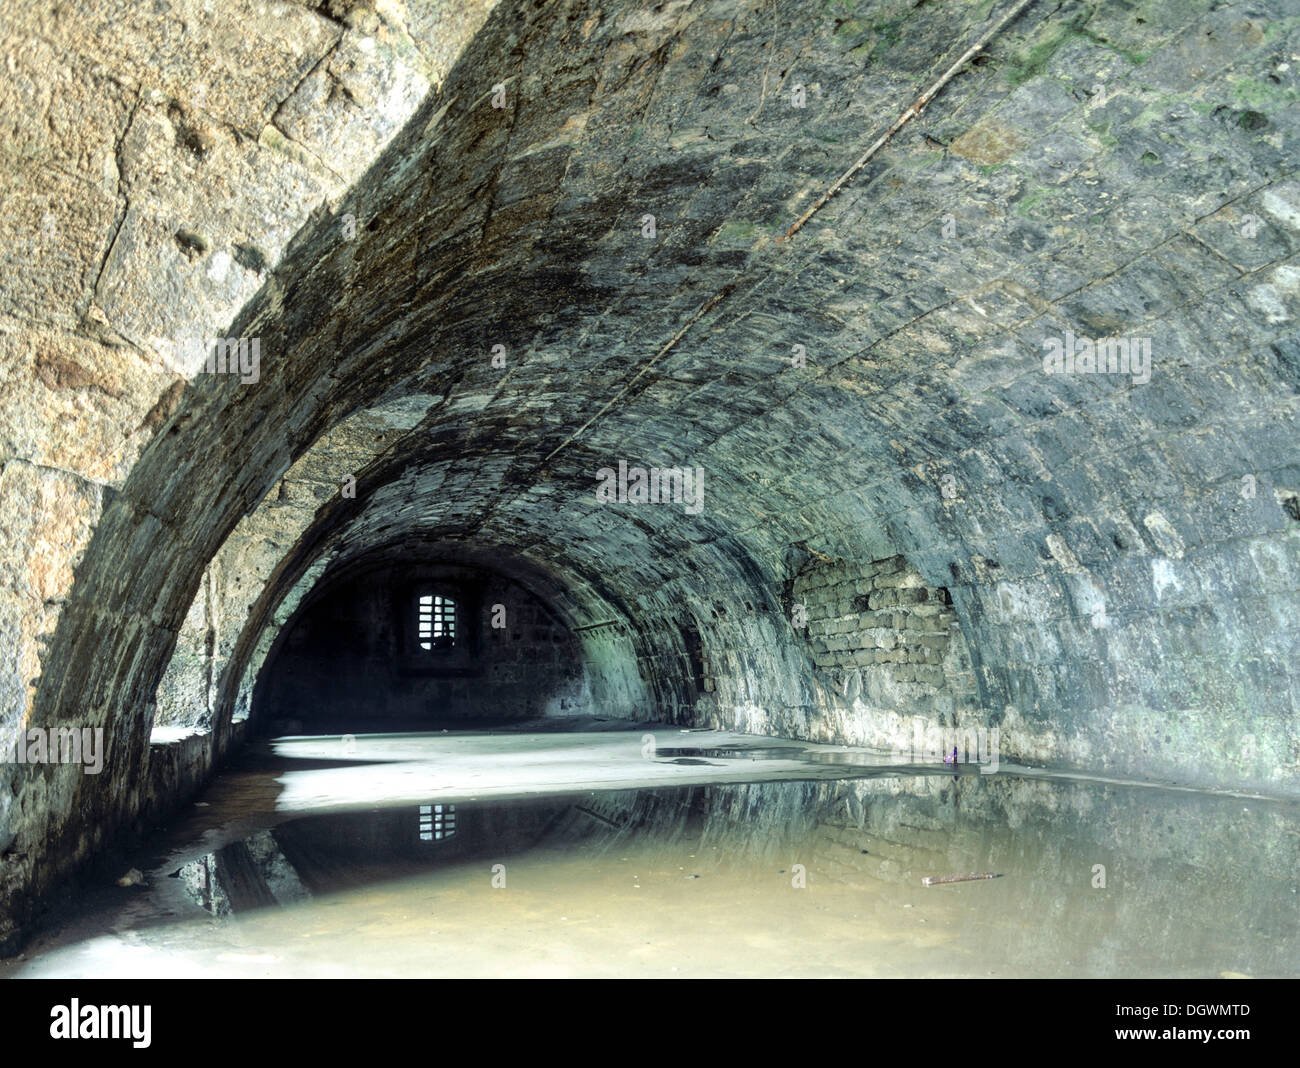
(610, 851)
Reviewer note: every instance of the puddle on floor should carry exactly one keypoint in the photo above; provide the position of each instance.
(791, 878)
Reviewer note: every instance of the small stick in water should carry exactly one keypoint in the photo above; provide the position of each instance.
(935, 880)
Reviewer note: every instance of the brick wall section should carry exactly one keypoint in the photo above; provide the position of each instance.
(532, 656)
(878, 633)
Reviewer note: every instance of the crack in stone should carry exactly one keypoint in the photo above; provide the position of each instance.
(54, 468)
(126, 199)
(274, 120)
(309, 152)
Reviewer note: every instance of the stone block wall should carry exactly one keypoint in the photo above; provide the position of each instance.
(885, 646)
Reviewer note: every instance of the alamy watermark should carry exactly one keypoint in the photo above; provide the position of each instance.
(240, 356)
(653, 485)
(76, 1020)
(1106, 355)
(952, 745)
(58, 745)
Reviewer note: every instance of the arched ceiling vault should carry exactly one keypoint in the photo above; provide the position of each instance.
(1106, 170)
(521, 226)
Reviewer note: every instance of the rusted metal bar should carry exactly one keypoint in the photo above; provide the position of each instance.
(917, 106)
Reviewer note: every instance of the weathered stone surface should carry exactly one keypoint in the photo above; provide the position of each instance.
(146, 194)
(1118, 551)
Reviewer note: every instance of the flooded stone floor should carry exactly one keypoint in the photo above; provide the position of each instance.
(618, 852)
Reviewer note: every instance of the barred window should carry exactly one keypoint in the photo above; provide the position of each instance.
(435, 621)
(437, 822)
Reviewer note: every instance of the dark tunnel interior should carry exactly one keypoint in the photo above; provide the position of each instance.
(414, 645)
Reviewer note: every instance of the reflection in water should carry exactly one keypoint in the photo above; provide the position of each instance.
(322, 854)
(799, 878)
(242, 876)
(756, 752)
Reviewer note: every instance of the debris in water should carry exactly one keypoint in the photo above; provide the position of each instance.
(131, 878)
(935, 880)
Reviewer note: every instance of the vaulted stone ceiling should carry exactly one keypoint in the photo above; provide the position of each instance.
(1120, 551)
